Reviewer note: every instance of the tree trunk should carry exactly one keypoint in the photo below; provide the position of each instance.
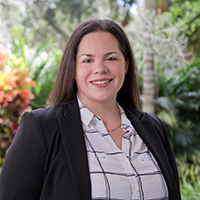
(159, 6)
(148, 82)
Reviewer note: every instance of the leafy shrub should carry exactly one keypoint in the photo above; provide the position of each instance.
(178, 106)
(189, 191)
(41, 61)
(15, 97)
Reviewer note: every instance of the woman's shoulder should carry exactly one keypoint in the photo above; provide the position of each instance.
(47, 112)
(51, 113)
(155, 120)
(42, 117)
(153, 117)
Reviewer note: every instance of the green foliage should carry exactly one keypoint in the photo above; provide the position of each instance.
(41, 61)
(44, 74)
(186, 15)
(178, 105)
(46, 19)
(189, 191)
(186, 88)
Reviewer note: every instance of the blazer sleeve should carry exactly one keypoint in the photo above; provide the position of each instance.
(22, 173)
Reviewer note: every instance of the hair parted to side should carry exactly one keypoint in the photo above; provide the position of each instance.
(65, 88)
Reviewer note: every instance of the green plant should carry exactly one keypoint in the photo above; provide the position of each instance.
(190, 191)
(41, 61)
(178, 106)
(44, 73)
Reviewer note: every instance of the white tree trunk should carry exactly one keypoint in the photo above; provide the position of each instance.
(148, 82)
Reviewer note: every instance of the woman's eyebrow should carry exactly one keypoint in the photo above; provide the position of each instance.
(109, 53)
(88, 55)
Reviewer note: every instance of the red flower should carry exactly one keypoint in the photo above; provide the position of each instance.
(13, 126)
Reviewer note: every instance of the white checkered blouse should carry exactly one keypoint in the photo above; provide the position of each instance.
(129, 174)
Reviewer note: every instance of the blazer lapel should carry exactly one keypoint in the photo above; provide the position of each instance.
(74, 143)
(148, 133)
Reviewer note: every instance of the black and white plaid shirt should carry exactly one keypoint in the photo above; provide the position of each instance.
(129, 174)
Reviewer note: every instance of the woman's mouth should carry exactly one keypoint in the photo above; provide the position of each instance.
(101, 82)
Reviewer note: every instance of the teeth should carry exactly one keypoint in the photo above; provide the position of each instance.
(100, 82)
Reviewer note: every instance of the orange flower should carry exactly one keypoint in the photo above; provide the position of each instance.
(13, 80)
(31, 96)
(10, 95)
(15, 97)
(23, 93)
(24, 73)
(3, 58)
(31, 82)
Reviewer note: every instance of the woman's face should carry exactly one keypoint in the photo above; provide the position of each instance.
(100, 68)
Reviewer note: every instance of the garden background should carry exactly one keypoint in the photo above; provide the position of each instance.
(165, 37)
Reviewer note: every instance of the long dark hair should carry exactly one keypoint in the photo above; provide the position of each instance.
(65, 88)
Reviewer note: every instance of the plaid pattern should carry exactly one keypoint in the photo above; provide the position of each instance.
(131, 173)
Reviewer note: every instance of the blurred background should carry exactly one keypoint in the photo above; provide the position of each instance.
(165, 37)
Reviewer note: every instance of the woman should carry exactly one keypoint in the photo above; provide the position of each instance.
(91, 142)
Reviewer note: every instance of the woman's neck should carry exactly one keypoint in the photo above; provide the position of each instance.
(107, 111)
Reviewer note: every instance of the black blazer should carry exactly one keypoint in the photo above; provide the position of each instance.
(47, 159)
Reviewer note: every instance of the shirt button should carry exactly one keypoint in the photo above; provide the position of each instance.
(136, 189)
(126, 162)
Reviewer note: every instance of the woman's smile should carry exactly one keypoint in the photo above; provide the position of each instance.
(101, 82)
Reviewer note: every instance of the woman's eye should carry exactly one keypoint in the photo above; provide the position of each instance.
(111, 59)
(87, 61)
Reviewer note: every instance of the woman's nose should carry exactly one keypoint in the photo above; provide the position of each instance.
(100, 67)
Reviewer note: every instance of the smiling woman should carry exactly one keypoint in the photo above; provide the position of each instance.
(65, 88)
(91, 142)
